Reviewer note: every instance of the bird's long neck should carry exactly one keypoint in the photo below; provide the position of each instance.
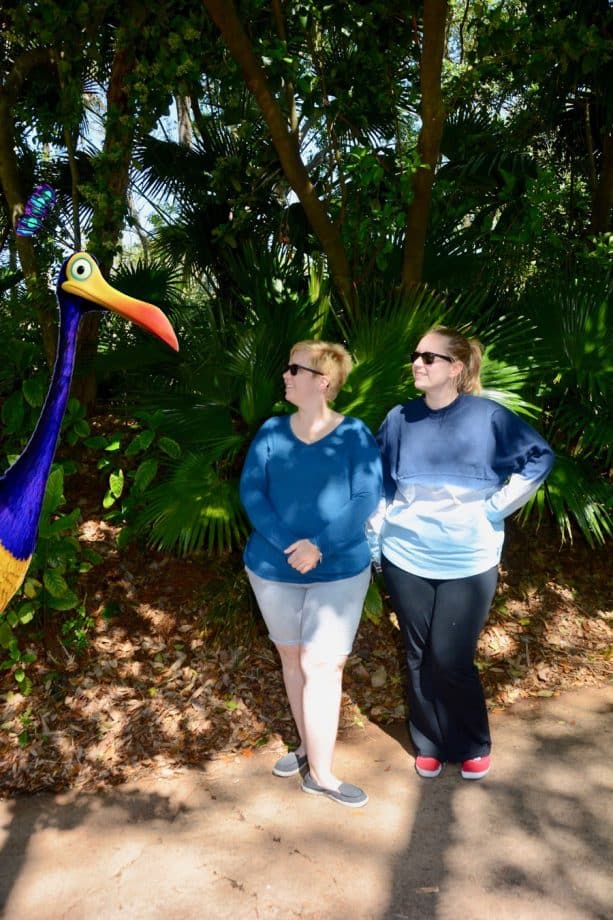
(40, 449)
(23, 485)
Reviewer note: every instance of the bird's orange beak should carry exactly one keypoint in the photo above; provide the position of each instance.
(84, 279)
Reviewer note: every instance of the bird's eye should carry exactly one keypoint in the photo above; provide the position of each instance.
(81, 269)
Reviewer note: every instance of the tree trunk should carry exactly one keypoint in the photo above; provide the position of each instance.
(184, 123)
(112, 175)
(429, 142)
(602, 200)
(223, 14)
(41, 297)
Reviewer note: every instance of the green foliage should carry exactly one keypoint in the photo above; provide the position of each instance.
(130, 464)
(227, 382)
(235, 263)
(50, 590)
(577, 497)
(373, 602)
(23, 374)
(572, 320)
(230, 255)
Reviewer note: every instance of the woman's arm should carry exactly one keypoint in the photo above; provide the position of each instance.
(387, 439)
(364, 466)
(524, 456)
(254, 495)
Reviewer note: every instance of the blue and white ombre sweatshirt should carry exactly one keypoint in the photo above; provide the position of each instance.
(451, 476)
(324, 491)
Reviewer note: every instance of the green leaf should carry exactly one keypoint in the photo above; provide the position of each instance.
(64, 524)
(373, 603)
(81, 426)
(74, 407)
(116, 483)
(96, 443)
(6, 634)
(67, 602)
(170, 447)
(142, 441)
(53, 492)
(34, 390)
(145, 474)
(55, 584)
(26, 613)
(31, 587)
(125, 536)
(109, 500)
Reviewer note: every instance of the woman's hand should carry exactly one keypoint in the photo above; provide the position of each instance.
(303, 556)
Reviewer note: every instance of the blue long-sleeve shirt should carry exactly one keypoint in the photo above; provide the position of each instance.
(451, 477)
(323, 492)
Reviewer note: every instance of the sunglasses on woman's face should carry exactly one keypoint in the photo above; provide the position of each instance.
(428, 357)
(294, 368)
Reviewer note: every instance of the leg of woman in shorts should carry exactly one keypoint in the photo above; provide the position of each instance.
(313, 627)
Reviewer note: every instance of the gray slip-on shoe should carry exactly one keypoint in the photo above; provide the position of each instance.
(291, 764)
(346, 794)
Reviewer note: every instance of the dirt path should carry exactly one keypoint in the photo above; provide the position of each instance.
(533, 840)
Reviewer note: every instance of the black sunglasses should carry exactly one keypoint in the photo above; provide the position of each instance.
(428, 357)
(294, 368)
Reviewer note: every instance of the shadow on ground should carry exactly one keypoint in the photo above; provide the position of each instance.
(229, 840)
(534, 839)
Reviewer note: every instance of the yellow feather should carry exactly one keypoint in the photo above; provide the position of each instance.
(12, 573)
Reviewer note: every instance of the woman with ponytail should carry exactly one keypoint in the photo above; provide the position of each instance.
(455, 466)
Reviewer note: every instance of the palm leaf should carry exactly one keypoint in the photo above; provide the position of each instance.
(576, 496)
(193, 509)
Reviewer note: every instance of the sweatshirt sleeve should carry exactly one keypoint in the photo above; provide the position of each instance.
(374, 524)
(523, 457)
(365, 485)
(254, 494)
(387, 437)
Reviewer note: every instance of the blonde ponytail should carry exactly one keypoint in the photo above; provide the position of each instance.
(467, 350)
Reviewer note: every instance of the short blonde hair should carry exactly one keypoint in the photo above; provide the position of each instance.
(469, 352)
(331, 359)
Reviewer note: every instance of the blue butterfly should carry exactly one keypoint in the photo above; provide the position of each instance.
(37, 207)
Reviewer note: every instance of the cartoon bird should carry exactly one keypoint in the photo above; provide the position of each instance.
(80, 289)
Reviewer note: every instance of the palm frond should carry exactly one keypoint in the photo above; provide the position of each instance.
(584, 428)
(576, 497)
(193, 509)
(381, 342)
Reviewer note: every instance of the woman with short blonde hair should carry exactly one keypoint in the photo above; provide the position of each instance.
(309, 483)
(331, 359)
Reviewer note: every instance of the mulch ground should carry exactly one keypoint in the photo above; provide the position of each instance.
(179, 670)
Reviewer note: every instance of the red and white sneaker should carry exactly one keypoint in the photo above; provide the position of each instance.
(476, 767)
(428, 766)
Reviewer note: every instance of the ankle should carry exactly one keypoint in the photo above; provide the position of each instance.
(325, 780)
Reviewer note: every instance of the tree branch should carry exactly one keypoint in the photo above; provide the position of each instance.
(428, 145)
(223, 14)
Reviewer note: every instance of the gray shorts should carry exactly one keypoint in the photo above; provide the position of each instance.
(325, 613)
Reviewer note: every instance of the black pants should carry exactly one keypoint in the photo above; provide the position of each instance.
(440, 622)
